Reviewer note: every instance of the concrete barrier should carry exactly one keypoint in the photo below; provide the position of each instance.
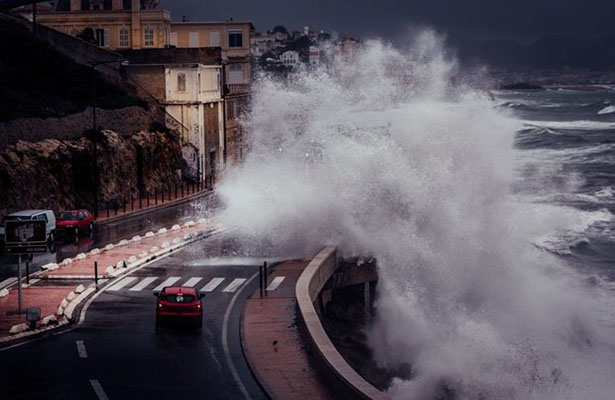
(341, 375)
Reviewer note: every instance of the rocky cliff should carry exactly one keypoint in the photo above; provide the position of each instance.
(59, 174)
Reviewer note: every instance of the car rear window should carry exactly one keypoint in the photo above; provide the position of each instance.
(68, 216)
(178, 298)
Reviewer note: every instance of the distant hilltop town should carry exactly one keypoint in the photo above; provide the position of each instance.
(279, 49)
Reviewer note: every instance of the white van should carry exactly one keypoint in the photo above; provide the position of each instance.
(45, 215)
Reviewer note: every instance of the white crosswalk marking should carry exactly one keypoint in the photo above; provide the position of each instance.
(122, 283)
(144, 283)
(212, 285)
(234, 285)
(168, 282)
(275, 283)
(192, 281)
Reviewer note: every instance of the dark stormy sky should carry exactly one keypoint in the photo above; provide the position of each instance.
(522, 20)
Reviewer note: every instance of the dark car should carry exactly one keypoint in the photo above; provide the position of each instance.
(75, 222)
(179, 304)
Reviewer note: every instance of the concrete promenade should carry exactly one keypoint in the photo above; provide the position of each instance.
(274, 345)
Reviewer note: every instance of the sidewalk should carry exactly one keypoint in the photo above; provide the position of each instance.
(144, 205)
(59, 288)
(273, 343)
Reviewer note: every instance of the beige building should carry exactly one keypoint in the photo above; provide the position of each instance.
(123, 25)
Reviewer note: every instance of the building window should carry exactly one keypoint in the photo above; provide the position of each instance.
(149, 37)
(235, 39)
(235, 74)
(173, 39)
(124, 37)
(181, 82)
(102, 37)
(194, 39)
(214, 39)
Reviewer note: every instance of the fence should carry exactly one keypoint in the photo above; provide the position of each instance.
(147, 200)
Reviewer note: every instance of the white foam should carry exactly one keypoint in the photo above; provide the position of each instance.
(380, 156)
(607, 110)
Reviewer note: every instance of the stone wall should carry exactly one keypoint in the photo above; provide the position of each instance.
(59, 174)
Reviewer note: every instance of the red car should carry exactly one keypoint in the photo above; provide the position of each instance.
(75, 221)
(179, 304)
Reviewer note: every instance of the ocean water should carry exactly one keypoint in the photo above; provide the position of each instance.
(491, 220)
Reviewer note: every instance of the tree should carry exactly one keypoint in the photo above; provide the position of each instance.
(279, 28)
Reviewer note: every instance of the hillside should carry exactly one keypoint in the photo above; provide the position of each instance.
(38, 82)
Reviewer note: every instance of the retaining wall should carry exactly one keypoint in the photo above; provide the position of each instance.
(341, 375)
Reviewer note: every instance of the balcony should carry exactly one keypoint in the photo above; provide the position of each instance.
(237, 88)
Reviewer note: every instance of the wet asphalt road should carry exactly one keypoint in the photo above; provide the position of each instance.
(128, 358)
(113, 232)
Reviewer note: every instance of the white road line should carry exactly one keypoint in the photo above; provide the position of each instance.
(234, 285)
(168, 282)
(98, 389)
(192, 281)
(122, 283)
(81, 349)
(212, 285)
(275, 283)
(7, 282)
(227, 352)
(144, 283)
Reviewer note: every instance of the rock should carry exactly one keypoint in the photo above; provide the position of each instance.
(136, 238)
(119, 264)
(188, 236)
(67, 261)
(109, 246)
(109, 270)
(4, 292)
(175, 227)
(64, 303)
(143, 254)
(79, 289)
(201, 221)
(188, 224)
(123, 242)
(60, 311)
(49, 320)
(149, 234)
(165, 245)
(19, 328)
(154, 249)
(177, 240)
(71, 296)
(132, 259)
(162, 230)
(94, 252)
(80, 256)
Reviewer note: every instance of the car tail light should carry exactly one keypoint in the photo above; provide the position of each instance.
(197, 306)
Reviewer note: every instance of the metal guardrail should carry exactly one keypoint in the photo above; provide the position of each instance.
(344, 378)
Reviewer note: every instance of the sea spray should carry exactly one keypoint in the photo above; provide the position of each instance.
(388, 155)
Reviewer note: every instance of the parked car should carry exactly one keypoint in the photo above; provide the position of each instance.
(46, 215)
(75, 222)
(179, 304)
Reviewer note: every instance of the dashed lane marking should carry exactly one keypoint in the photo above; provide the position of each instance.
(234, 285)
(212, 285)
(192, 282)
(168, 282)
(98, 389)
(81, 349)
(144, 283)
(275, 283)
(122, 283)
